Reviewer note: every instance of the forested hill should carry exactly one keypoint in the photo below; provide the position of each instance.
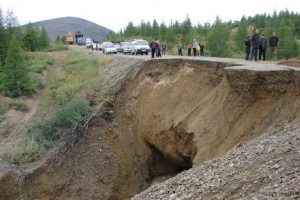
(63, 25)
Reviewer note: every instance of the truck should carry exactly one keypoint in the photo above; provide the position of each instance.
(79, 38)
(69, 38)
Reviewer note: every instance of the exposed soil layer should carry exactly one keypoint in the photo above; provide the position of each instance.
(168, 115)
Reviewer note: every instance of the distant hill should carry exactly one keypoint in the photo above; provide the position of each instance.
(63, 25)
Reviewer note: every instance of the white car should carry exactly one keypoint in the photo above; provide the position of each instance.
(88, 43)
(110, 48)
(139, 47)
(102, 45)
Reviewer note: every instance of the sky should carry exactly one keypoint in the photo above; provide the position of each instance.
(116, 14)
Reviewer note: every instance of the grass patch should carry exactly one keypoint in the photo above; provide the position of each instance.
(57, 47)
(82, 76)
(37, 62)
(22, 151)
(17, 104)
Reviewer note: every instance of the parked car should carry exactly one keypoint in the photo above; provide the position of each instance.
(118, 47)
(88, 43)
(139, 47)
(102, 45)
(125, 47)
(110, 48)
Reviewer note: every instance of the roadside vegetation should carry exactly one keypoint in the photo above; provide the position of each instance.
(65, 101)
(220, 39)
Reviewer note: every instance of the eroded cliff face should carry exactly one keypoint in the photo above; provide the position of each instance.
(168, 115)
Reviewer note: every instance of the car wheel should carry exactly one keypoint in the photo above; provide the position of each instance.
(147, 54)
(136, 53)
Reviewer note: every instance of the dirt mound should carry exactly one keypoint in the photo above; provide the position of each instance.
(168, 115)
(294, 62)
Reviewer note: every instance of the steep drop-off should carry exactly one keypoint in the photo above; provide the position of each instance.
(168, 115)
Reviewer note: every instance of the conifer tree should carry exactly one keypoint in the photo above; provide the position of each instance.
(30, 38)
(58, 40)
(4, 40)
(218, 38)
(15, 79)
(241, 35)
(44, 41)
(155, 29)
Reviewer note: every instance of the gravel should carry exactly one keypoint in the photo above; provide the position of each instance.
(267, 167)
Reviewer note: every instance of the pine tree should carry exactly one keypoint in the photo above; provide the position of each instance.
(15, 80)
(163, 31)
(4, 39)
(12, 23)
(30, 39)
(218, 38)
(155, 29)
(241, 35)
(186, 25)
(44, 41)
(58, 40)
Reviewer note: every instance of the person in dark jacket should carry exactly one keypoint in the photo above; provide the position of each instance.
(255, 40)
(158, 54)
(164, 47)
(273, 46)
(179, 47)
(262, 47)
(201, 49)
(248, 47)
(153, 48)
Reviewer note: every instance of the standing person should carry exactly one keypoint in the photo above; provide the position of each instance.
(157, 49)
(262, 47)
(255, 39)
(189, 49)
(202, 49)
(248, 47)
(172, 50)
(180, 47)
(164, 47)
(153, 48)
(198, 49)
(194, 47)
(273, 46)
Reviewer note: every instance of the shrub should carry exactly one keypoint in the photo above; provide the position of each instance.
(17, 104)
(46, 131)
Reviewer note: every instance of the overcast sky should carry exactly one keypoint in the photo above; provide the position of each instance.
(115, 14)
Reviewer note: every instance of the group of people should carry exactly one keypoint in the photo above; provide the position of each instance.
(257, 44)
(157, 50)
(197, 47)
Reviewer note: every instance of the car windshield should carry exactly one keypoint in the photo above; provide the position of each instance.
(126, 43)
(142, 42)
(110, 46)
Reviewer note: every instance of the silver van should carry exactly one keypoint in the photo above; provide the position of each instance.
(139, 47)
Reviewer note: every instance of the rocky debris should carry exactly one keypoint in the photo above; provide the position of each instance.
(175, 144)
(267, 167)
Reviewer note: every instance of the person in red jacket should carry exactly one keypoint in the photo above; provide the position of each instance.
(190, 46)
(153, 48)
